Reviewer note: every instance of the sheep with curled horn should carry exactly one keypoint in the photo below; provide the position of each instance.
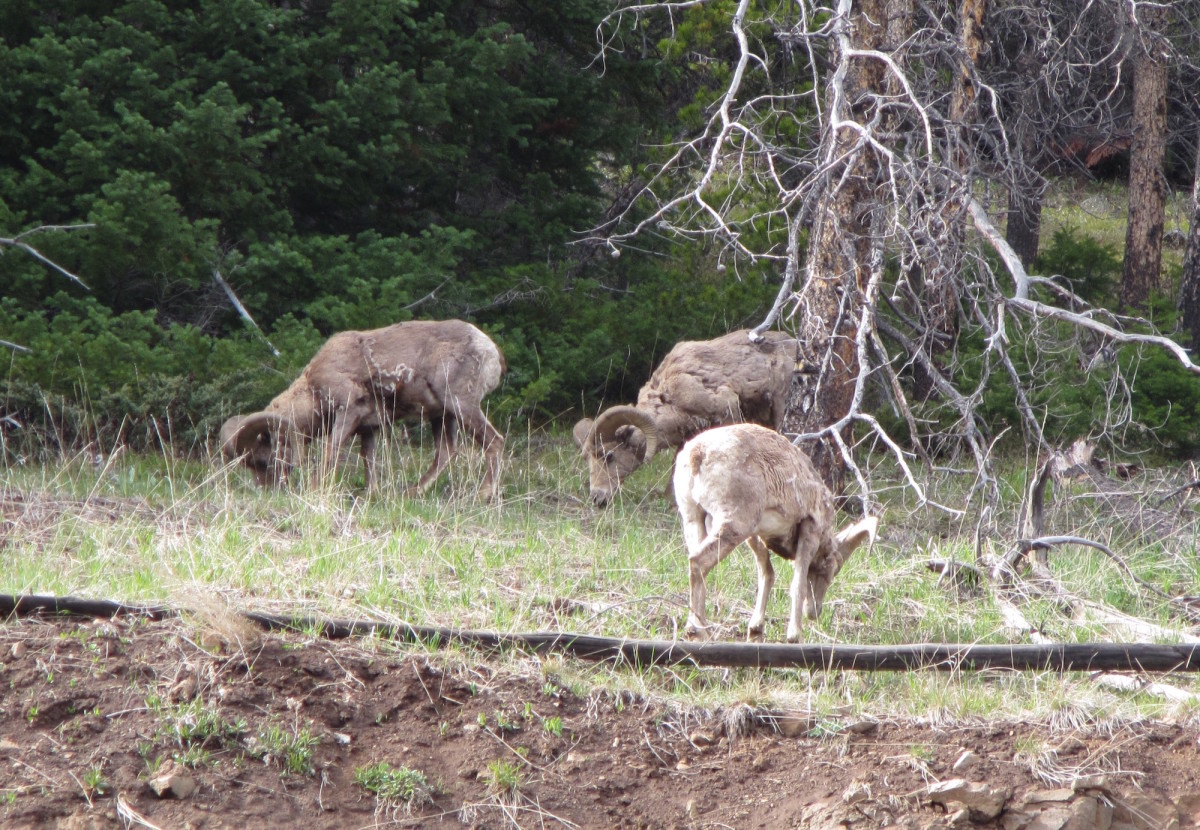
(744, 483)
(699, 384)
(361, 381)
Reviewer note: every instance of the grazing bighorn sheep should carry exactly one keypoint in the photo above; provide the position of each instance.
(699, 384)
(747, 483)
(360, 381)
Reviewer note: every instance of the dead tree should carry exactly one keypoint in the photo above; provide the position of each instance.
(887, 241)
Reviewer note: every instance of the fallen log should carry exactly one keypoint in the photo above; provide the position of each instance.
(1089, 657)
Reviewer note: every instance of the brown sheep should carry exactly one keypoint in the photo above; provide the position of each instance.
(748, 483)
(699, 384)
(359, 381)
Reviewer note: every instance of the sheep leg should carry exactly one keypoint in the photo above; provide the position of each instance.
(344, 426)
(800, 592)
(445, 439)
(366, 449)
(766, 579)
(722, 538)
(489, 439)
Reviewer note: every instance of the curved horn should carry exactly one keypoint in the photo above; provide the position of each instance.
(610, 420)
(241, 432)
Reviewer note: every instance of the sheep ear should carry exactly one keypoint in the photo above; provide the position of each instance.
(610, 420)
(581, 431)
(634, 439)
(857, 534)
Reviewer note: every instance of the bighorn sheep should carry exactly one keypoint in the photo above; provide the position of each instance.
(360, 381)
(699, 384)
(747, 483)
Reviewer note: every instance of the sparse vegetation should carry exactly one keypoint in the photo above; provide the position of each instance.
(396, 787)
(503, 778)
(289, 749)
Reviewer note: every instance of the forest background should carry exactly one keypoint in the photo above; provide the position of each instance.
(350, 165)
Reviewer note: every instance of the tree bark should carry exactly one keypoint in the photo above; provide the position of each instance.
(1147, 187)
(841, 246)
(1024, 229)
(1189, 281)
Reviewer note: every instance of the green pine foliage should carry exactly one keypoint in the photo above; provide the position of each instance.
(343, 165)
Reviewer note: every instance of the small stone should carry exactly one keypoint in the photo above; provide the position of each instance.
(863, 727)
(184, 690)
(1055, 818)
(1056, 796)
(173, 782)
(960, 818)
(966, 761)
(18, 650)
(794, 724)
(983, 801)
(1090, 782)
(701, 738)
(856, 792)
(1070, 746)
(341, 738)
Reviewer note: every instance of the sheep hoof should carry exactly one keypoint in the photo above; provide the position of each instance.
(793, 636)
(693, 632)
(754, 635)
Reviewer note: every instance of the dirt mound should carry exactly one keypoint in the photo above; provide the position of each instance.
(130, 723)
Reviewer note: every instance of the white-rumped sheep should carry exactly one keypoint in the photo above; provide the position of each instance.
(746, 483)
(699, 384)
(360, 381)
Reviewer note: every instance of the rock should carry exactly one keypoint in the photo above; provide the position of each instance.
(1143, 812)
(1054, 818)
(184, 690)
(793, 724)
(966, 761)
(983, 801)
(18, 650)
(863, 727)
(1088, 813)
(1044, 798)
(960, 818)
(856, 792)
(1070, 746)
(173, 780)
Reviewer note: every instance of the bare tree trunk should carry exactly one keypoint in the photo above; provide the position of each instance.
(841, 246)
(1147, 187)
(1189, 281)
(1024, 229)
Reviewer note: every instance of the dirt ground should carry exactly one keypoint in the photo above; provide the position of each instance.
(96, 716)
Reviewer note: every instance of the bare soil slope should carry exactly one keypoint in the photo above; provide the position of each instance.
(94, 714)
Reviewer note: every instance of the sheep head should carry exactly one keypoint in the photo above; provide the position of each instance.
(266, 442)
(617, 443)
(824, 568)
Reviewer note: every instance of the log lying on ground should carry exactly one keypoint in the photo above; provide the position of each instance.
(936, 656)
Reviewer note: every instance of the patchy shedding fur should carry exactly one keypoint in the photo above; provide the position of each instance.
(698, 385)
(359, 381)
(746, 483)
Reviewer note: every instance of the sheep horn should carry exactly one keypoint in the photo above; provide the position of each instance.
(240, 432)
(608, 422)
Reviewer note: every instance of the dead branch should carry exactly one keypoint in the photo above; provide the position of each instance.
(17, 242)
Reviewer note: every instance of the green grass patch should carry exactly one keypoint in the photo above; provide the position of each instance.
(159, 530)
